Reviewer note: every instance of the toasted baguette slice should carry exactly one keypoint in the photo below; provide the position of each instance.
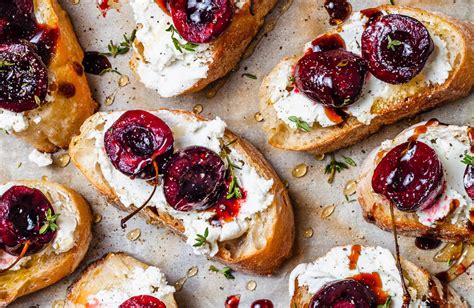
(226, 51)
(261, 250)
(66, 113)
(44, 270)
(408, 99)
(428, 288)
(376, 208)
(112, 272)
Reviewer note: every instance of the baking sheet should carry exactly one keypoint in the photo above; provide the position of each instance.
(236, 103)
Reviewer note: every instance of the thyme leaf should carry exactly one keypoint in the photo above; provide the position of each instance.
(226, 271)
(201, 239)
(121, 48)
(392, 43)
(50, 223)
(468, 160)
(300, 124)
(177, 44)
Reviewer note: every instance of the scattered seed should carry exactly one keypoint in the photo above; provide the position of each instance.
(123, 81)
(97, 218)
(300, 170)
(192, 271)
(350, 188)
(319, 157)
(63, 160)
(178, 285)
(251, 285)
(58, 304)
(44, 177)
(109, 100)
(327, 211)
(258, 117)
(308, 233)
(198, 109)
(134, 234)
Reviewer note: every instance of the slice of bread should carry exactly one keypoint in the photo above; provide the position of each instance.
(226, 50)
(427, 287)
(376, 209)
(261, 250)
(43, 270)
(408, 99)
(109, 272)
(52, 125)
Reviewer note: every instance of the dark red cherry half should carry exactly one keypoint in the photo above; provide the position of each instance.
(23, 76)
(262, 303)
(410, 176)
(135, 140)
(344, 294)
(333, 78)
(194, 179)
(143, 301)
(22, 214)
(469, 181)
(396, 48)
(201, 21)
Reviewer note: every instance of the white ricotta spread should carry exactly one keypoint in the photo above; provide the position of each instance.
(139, 281)
(335, 265)
(40, 159)
(12, 121)
(450, 143)
(67, 224)
(188, 131)
(293, 103)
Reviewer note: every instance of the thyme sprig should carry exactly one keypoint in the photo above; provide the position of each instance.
(468, 160)
(234, 190)
(226, 271)
(201, 239)
(300, 124)
(392, 43)
(335, 166)
(50, 223)
(121, 48)
(177, 44)
(386, 304)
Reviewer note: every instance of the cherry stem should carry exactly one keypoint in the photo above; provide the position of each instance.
(123, 222)
(22, 254)
(406, 294)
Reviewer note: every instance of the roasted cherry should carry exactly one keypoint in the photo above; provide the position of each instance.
(194, 179)
(24, 77)
(410, 176)
(333, 78)
(396, 47)
(262, 303)
(143, 301)
(469, 181)
(137, 139)
(201, 21)
(344, 294)
(23, 214)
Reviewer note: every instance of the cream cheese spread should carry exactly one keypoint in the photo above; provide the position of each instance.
(188, 131)
(288, 101)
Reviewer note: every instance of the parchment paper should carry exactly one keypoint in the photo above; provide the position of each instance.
(236, 103)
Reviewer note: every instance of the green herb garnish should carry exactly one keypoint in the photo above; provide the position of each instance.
(5, 63)
(349, 161)
(387, 303)
(234, 187)
(123, 47)
(392, 43)
(37, 100)
(201, 239)
(50, 223)
(392, 2)
(291, 79)
(300, 124)
(109, 70)
(337, 166)
(251, 76)
(226, 271)
(177, 44)
(468, 160)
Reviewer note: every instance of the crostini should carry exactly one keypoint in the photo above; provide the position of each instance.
(45, 231)
(44, 95)
(427, 174)
(358, 276)
(213, 188)
(118, 280)
(381, 65)
(181, 46)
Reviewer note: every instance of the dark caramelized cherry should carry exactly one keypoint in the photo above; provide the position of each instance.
(469, 181)
(410, 176)
(338, 10)
(143, 301)
(194, 179)
(344, 294)
(396, 47)
(95, 63)
(333, 78)
(327, 42)
(24, 77)
(22, 214)
(262, 303)
(137, 139)
(201, 21)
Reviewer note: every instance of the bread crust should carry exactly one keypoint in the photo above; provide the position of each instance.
(328, 139)
(276, 223)
(61, 117)
(98, 276)
(376, 210)
(419, 278)
(48, 269)
(231, 45)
